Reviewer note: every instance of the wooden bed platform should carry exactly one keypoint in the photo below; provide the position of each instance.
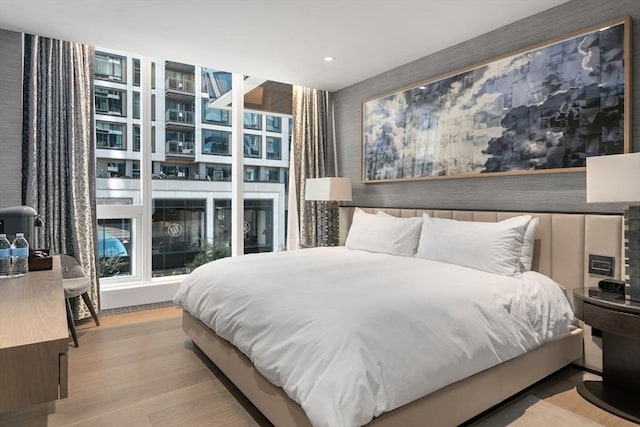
(563, 242)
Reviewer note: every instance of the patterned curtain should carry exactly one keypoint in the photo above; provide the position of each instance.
(308, 160)
(58, 178)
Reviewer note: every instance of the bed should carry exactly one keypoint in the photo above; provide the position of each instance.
(561, 242)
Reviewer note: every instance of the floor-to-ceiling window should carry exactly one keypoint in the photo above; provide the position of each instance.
(188, 149)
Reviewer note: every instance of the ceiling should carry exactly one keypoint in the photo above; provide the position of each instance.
(282, 40)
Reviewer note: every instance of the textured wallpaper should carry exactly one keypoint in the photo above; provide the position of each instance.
(562, 192)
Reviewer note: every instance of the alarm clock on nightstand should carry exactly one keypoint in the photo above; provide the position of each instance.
(612, 286)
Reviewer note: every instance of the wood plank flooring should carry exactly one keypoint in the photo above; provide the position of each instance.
(139, 369)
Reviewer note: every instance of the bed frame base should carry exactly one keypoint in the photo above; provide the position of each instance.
(448, 406)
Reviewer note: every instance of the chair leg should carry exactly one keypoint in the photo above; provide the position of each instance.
(87, 301)
(71, 324)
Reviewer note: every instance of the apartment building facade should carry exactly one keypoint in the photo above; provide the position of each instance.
(191, 163)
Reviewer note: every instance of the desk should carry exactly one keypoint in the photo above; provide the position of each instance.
(33, 339)
(619, 321)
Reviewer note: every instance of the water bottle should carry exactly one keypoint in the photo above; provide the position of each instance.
(20, 255)
(5, 257)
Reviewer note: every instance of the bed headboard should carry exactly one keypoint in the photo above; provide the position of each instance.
(563, 241)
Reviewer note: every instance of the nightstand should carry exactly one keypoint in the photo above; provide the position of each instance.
(619, 322)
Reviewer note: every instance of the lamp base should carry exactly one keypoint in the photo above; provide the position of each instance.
(632, 251)
(328, 225)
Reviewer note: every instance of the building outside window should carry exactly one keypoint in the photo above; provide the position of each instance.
(110, 67)
(136, 105)
(252, 121)
(252, 145)
(136, 138)
(169, 171)
(178, 178)
(274, 148)
(109, 101)
(216, 142)
(218, 116)
(271, 174)
(179, 112)
(274, 124)
(178, 232)
(219, 172)
(110, 135)
(258, 217)
(250, 173)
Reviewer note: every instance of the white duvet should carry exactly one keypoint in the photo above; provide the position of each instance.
(351, 334)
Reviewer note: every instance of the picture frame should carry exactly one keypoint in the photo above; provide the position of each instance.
(541, 109)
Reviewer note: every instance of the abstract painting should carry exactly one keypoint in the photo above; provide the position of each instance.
(545, 108)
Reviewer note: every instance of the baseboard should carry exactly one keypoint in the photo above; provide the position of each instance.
(139, 294)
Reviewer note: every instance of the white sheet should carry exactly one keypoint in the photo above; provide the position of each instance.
(351, 334)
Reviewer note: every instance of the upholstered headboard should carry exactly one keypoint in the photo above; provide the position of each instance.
(563, 241)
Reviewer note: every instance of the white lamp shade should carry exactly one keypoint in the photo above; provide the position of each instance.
(614, 178)
(328, 189)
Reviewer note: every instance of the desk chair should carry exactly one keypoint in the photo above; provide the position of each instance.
(75, 284)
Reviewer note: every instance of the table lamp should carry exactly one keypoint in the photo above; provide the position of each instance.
(328, 191)
(616, 179)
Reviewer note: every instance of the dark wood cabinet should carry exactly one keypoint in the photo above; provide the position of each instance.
(618, 321)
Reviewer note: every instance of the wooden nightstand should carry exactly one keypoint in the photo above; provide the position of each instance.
(619, 322)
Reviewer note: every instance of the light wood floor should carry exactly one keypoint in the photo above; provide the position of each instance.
(138, 369)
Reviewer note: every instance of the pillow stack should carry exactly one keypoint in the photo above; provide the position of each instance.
(504, 247)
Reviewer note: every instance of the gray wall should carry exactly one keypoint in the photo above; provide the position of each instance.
(10, 118)
(562, 192)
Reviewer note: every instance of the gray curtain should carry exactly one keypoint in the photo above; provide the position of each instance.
(308, 160)
(58, 149)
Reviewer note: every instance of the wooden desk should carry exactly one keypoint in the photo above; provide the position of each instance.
(33, 339)
(619, 321)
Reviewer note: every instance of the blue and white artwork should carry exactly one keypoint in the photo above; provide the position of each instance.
(546, 108)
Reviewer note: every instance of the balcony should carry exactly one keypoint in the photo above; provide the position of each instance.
(179, 117)
(180, 150)
(180, 85)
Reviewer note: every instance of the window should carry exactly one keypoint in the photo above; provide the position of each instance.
(178, 233)
(252, 145)
(274, 124)
(273, 148)
(215, 83)
(109, 101)
(252, 121)
(179, 143)
(174, 171)
(219, 172)
(179, 112)
(250, 173)
(135, 169)
(271, 174)
(218, 116)
(110, 67)
(110, 135)
(258, 224)
(115, 247)
(136, 72)
(136, 138)
(179, 81)
(136, 105)
(216, 142)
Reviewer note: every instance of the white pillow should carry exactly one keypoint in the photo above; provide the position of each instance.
(526, 256)
(494, 247)
(384, 233)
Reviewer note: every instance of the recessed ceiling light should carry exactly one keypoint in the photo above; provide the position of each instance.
(329, 58)
(422, 87)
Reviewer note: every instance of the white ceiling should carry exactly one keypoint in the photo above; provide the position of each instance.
(282, 40)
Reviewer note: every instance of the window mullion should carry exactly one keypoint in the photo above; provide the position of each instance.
(145, 252)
